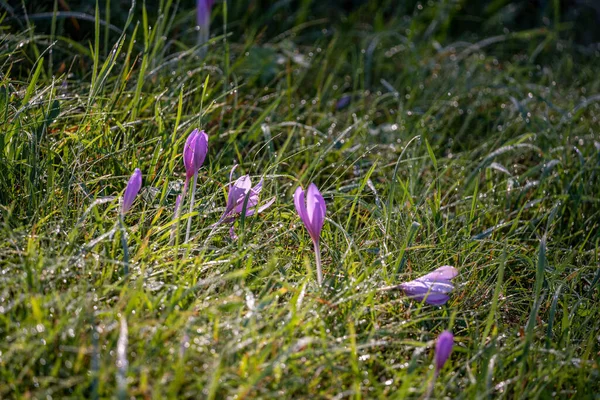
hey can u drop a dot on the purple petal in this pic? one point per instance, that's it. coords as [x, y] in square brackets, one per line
[188, 154]
[322, 204]
[252, 202]
[443, 273]
[133, 187]
[419, 287]
[443, 348]
[266, 205]
[436, 299]
[432, 287]
[253, 197]
[239, 205]
[203, 12]
[441, 287]
[256, 189]
[422, 292]
[200, 149]
[231, 173]
[237, 191]
[311, 201]
[260, 209]
[315, 209]
[243, 183]
[300, 205]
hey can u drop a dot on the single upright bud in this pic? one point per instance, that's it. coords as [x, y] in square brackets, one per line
[443, 348]
[133, 187]
[194, 152]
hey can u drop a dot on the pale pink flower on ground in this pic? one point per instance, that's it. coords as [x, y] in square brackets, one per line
[433, 288]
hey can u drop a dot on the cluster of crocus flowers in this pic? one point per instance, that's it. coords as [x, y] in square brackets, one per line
[242, 199]
[312, 213]
[433, 288]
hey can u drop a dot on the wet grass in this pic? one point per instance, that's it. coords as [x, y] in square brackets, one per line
[431, 147]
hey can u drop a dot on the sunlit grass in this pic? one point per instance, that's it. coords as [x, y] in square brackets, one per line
[481, 153]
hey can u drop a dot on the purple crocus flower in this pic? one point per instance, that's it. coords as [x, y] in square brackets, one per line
[133, 187]
[194, 152]
[236, 197]
[203, 12]
[343, 102]
[312, 214]
[433, 287]
[443, 348]
[203, 9]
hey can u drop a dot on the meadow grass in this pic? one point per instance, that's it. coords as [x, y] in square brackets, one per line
[431, 147]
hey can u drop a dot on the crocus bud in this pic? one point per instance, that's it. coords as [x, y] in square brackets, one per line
[132, 189]
[194, 152]
[443, 348]
[312, 213]
[343, 102]
[433, 287]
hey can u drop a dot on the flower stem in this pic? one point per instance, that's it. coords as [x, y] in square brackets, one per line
[431, 386]
[124, 245]
[203, 35]
[318, 260]
[177, 214]
[189, 223]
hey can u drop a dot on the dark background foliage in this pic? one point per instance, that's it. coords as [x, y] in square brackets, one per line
[471, 19]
